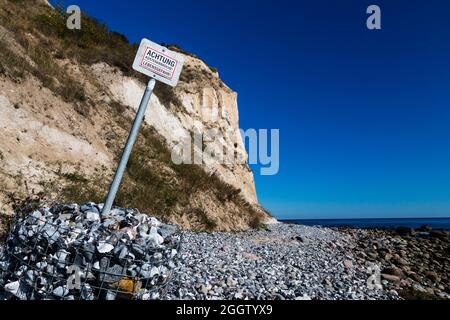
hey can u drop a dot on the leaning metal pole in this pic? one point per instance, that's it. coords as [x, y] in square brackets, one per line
[128, 147]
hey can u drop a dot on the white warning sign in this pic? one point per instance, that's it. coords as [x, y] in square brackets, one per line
[158, 62]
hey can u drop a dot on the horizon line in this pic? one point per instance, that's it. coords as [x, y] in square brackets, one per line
[290, 219]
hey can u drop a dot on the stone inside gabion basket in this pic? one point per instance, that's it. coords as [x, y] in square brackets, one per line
[72, 252]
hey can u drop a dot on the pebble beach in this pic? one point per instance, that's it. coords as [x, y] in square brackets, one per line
[283, 262]
[129, 255]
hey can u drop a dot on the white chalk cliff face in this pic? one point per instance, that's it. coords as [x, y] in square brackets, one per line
[64, 120]
[206, 103]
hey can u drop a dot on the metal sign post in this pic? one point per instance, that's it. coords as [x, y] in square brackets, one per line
[160, 64]
[129, 146]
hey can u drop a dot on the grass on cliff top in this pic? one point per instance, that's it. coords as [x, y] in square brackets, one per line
[92, 44]
[42, 32]
[38, 58]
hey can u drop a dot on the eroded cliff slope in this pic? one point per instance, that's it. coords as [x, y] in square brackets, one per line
[67, 101]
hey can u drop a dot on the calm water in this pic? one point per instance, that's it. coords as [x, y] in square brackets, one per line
[435, 223]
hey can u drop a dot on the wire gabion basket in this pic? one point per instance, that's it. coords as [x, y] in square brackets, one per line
[72, 252]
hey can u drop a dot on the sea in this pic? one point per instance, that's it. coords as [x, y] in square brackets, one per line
[435, 223]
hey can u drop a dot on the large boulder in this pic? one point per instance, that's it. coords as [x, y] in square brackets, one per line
[405, 231]
[424, 228]
[393, 271]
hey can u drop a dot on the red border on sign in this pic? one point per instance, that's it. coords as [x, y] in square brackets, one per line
[143, 66]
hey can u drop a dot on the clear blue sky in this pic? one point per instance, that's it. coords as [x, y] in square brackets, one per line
[364, 116]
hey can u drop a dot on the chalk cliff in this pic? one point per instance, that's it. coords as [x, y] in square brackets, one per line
[66, 106]
[204, 103]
